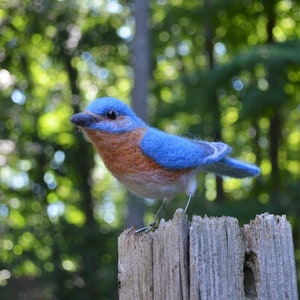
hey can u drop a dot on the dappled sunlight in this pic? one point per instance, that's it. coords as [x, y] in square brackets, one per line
[265, 167]
[53, 122]
[264, 198]
[74, 215]
[6, 79]
[227, 72]
[4, 276]
[13, 178]
[107, 208]
[55, 210]
[210, 187]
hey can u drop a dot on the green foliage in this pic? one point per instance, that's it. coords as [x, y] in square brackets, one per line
[226, 70]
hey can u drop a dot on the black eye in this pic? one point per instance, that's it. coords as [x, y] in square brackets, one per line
[111, 114]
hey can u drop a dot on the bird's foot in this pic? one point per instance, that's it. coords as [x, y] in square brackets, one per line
[150, 227]
[153, 225]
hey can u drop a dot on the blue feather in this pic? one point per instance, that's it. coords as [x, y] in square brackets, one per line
[176, 152]
[126, 119]
[233, 168]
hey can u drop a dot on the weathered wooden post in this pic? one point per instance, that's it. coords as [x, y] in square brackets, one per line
[209, 258]
[217, 255]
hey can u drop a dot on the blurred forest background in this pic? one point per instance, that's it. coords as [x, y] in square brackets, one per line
[217, 70]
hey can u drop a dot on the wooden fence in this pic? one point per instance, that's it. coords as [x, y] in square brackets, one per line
[209, 258]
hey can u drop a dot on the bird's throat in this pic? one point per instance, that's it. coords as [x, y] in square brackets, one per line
[120, 151]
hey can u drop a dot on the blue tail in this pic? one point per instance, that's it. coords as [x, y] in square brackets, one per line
[232, 168]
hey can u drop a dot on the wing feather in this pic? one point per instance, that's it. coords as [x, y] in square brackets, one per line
[174, 152]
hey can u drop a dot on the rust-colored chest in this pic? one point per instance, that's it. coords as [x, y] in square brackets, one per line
[120, 151]
[122, 155]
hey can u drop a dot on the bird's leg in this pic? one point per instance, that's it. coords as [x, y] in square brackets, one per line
[156, 215]
[152, 225]
[188, 203]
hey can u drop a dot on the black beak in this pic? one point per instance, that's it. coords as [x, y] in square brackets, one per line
[83, 119]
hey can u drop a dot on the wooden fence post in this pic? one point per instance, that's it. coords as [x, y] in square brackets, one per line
[209, 258]
[269, 260]
[217, 255]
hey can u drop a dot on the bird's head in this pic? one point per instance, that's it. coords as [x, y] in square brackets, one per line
[109, 115]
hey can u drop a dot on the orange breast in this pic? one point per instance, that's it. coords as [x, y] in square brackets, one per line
[122, 155]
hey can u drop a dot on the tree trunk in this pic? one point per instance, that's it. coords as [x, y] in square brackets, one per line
[141, 67]
[141, 59]
[209, 49]
[275, 124]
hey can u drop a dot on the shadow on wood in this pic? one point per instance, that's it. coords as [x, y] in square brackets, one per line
[209, 258]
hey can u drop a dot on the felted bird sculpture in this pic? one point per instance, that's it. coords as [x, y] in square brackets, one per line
[149, 162]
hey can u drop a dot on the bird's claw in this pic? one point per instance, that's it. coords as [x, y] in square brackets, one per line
[150, 227]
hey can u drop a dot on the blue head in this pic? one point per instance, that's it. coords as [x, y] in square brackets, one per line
[109, 115]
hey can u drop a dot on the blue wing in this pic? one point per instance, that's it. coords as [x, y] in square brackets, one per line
[174, 152]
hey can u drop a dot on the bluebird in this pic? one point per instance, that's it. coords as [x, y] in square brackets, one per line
[149, 162]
